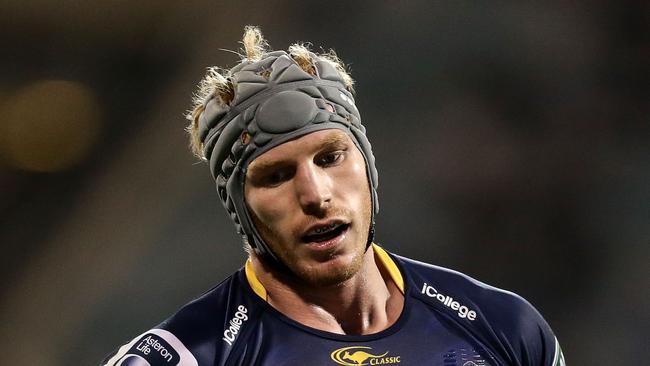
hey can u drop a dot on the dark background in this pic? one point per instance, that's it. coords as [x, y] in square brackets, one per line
[511, 141]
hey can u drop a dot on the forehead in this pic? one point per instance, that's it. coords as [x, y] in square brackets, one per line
[307, 144]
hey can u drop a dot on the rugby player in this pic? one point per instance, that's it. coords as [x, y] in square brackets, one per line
[295, 171]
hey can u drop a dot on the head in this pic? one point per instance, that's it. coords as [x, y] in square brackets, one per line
[310, 201]
[286, 110]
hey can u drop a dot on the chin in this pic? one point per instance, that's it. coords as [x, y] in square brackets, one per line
[331, 273]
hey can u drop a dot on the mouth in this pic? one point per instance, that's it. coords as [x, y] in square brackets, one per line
[327, 234]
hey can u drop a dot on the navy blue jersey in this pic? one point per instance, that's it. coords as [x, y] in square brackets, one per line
[448, 319]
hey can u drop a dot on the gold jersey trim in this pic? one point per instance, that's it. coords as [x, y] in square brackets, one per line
[256, 285]
[390, 266]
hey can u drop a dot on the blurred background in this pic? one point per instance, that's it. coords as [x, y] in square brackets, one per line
[512, 142]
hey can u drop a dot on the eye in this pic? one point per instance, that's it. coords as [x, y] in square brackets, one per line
[275, 177]
[330, 158]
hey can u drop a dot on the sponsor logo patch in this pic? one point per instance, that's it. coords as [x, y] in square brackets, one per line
[361, 355]
[235, 324]
[150, 349]
[463, 311]
[463, 357]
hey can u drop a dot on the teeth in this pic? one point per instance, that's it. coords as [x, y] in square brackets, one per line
[323, 229]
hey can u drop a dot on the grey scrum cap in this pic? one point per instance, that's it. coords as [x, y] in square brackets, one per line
[275, 101]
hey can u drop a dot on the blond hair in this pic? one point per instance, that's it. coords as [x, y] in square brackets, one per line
[218, 83]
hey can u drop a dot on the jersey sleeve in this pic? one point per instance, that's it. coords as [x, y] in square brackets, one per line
[558, 356]
[156, 347]
[522, 332]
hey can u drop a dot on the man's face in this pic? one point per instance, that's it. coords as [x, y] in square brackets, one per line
[310, 201]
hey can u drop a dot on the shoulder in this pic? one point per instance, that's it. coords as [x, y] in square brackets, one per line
[200, 333]
[501, 319]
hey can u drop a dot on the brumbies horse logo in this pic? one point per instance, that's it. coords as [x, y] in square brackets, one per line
[358, 356]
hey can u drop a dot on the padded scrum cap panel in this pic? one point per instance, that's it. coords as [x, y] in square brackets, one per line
[248, 77]
[247, 84]
[312, 91]
[285, 112]
[247, 90]
[280, 65]
[290, 104]
[327, 71]
[292, 73]
[213, 111]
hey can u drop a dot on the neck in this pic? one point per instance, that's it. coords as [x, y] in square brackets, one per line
[366, 303]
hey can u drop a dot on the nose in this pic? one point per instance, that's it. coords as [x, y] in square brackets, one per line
[313, 189]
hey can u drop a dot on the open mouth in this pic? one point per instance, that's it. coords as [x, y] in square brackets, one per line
[325, 233]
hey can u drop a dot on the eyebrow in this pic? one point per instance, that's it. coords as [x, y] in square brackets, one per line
[332, 141]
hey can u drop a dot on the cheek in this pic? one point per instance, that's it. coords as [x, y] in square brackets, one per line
[359, 169]
[355, 180]
[267, 205]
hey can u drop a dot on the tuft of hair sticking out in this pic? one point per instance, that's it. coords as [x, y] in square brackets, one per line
[217, 82]
[300, 53]
[305, 58]
[335, 61]
[254, 43]
[214, 84]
